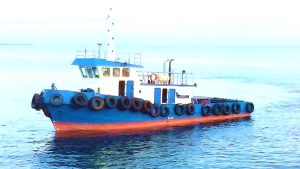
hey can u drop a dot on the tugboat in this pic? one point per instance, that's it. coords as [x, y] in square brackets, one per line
[123, 98]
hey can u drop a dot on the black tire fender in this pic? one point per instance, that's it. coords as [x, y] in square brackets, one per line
[80, 100]
[148, 107]
[236, 108]
[124, 103]
[155, 111]
[111, 102]
[190, 109]
[96, 103]
[164, 111]
[249, 107]
[206, 110]
[56, 99]
[137, 104]
[179, 109]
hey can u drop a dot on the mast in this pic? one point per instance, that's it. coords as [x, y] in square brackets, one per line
[110, 55]
[99, 52]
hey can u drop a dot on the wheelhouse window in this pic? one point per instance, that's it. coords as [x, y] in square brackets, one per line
[125, 72]
[116, 72]
[106, 71]
[83, 72]
[89, 72]
[95, 72]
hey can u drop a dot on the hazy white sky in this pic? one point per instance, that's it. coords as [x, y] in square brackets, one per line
[209, 22]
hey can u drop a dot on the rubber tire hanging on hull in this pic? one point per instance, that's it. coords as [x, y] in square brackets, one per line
[155, 111]
[179, 109]
[225, 109]
[216, 110]
[111, 102]
[96, 103]
[137, 104]
[250, 107]
[164, 111]
[37, 102]
[190, 109]
[56, 99]
[148, 107]
[206, 110]
[124, 103]
[79, 100]
[236, 108]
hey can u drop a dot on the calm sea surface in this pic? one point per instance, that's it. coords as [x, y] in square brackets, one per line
[270, 139]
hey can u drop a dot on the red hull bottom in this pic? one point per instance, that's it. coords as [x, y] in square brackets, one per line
[140, 126]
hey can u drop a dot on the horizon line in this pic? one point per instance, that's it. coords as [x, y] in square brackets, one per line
[16, 44]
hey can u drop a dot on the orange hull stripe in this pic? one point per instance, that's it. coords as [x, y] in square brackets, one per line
[125, 127]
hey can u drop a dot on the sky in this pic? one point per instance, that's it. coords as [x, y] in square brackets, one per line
[213, 22]
[201, 35]
[165, 26]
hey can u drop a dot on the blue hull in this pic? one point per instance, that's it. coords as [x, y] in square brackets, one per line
[59, 106]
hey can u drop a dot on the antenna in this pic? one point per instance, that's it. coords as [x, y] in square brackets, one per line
[99, 52]
[110, 45]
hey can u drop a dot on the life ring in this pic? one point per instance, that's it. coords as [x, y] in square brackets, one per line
[147, 106]
[179, 109]
[56, 99]
[250, 107]
[225, 109]
[155, 111]
[137, 104]
[236, 108]
[124, 103]
[96, 103]
[164, 111]
[111, 102]
[206, 110]
[79, 100]
[190, 109]
[153, 77]
[216, 110]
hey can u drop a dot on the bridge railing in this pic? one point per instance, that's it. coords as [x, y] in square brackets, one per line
[166, 78]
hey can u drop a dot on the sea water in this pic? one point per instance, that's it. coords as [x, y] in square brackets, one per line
[270, 139]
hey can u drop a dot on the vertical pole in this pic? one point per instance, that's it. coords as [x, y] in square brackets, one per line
[99, 52]
[183, 72]
[170, 64]
[164, 65]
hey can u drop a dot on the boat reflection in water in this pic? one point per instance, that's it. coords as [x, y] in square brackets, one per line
[137, 149]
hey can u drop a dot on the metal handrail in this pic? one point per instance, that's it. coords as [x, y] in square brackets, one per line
[176, 78]
[135, 59]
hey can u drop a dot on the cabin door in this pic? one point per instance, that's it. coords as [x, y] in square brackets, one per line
[121, 88]
[129, 88]
[157, 95]
[171, 96]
